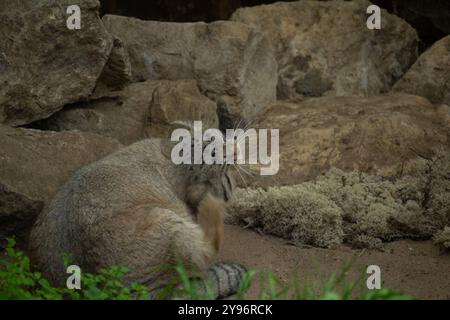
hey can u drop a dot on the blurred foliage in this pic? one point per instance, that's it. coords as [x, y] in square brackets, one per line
[19, 282]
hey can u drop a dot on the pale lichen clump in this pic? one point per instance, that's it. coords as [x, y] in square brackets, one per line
[294, 213]
[352, 207]
[442, 238]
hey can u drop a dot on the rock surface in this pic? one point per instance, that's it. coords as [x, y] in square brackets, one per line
[117, 72]
[179, 101]
[34, 164]
[233, 63]
[43, 64]
[350, 59]
[133, 114]
[430, 75]
[381, 135]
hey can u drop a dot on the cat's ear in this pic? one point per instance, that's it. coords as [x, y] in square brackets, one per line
[177, 124]
[168, 143]
[180, 124]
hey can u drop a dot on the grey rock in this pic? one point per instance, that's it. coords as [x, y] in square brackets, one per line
[233, 63]
[117, 71]
[145, 109]
[380, 135]
[44, 64]
[325, 48]
[430, 75]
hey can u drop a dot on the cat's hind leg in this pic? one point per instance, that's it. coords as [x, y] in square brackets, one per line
[150, 241]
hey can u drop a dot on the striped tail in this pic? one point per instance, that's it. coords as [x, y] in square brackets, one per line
[222, 279]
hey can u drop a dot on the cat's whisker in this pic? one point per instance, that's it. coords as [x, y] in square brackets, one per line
[239, 123]
[247, 171]
[249, 123]
[239, 172]
[235, 124]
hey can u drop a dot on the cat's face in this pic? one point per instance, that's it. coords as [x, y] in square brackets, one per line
[208, 159]
[217, 177]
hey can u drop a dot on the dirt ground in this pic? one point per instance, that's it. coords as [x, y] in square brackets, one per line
[416, 268]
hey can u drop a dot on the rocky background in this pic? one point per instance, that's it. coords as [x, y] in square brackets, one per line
[431, 19]
[364, 115]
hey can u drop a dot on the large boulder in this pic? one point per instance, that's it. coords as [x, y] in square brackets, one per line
[176, 102]
[43, 64]
[325, 48]
[145, 109]
[34, 164]
[381, 135]
[233, 63]
[430, 75]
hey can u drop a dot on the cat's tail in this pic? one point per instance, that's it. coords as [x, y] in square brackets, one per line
[222, 280]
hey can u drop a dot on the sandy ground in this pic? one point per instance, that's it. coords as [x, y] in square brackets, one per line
[417, 268]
